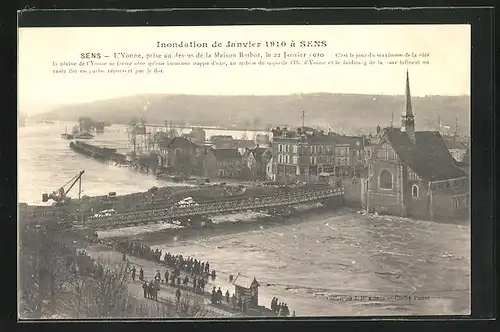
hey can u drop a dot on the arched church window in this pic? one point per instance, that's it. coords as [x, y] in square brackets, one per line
[414, 191]
[385, 179]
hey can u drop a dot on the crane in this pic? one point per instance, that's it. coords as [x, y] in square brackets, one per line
[59, 196]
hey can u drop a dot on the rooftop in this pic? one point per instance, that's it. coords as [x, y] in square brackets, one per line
[226, 153]
[428, 156]
[245, 282]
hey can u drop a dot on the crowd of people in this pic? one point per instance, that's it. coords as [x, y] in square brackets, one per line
[280, 308]
[195, 277]
[178, 263]
[236, 303]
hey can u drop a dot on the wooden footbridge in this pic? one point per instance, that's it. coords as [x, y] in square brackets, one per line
[333, 196]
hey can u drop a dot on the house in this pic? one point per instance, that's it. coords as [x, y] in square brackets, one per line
[304, 153]
[412, 174]
[178, 155]
[223, 162]
[247, 289]
[252, 158]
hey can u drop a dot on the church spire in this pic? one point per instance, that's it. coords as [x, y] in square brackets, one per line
[407, 119]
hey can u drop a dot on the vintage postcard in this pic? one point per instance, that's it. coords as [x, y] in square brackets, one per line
[244, 171]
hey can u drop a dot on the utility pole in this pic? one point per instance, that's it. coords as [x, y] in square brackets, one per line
[303, 119]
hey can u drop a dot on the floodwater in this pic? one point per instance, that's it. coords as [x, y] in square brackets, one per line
[316, 263]
[45, 163]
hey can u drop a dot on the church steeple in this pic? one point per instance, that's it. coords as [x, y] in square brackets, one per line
[407, 119]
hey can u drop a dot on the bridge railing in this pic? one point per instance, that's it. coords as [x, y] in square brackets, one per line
[221, 207]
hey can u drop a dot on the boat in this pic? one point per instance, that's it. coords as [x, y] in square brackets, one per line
[43, 120]
[83, 136]
[65, 135]
[97, 152]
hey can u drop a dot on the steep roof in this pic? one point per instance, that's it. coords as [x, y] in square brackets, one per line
[245, 282]
[176, 142]
[226, 153]
[428, 157]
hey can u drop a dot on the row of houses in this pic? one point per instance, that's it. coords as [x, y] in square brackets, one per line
[302, 154]
[181, 155]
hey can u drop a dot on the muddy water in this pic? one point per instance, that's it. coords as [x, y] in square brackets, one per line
[319, 265]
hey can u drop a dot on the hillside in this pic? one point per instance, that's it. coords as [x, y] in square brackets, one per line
[342, 112]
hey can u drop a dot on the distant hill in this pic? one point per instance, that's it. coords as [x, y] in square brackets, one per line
[349, 113]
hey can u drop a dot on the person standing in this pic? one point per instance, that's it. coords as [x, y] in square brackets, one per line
[178, 295]
[213, 298]
[150, 289]
[145, 289]
[219, 296]
[141, 274]
[166, 276]
[233, 301]
[227, 296]
[133, 273]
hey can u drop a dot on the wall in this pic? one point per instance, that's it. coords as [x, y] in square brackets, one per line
[385, 200]
[418, 208]
[442, 206]
[352, 193]
[209, 165]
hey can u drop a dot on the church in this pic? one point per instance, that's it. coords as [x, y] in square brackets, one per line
[412, 174]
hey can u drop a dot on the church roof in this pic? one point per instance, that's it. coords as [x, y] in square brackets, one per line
[428, 157]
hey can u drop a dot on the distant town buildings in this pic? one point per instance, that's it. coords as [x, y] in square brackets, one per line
[413, 174]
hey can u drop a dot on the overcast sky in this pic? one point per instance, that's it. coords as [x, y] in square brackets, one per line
[448, 73]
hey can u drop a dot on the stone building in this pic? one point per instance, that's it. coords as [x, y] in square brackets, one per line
[304, 153]
[179, 155]
[222, 163]
[412, 174]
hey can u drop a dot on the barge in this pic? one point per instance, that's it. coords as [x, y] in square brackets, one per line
[83, 136]
[97, 152]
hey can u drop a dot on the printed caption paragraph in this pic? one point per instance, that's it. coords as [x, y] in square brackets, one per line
[157, 63]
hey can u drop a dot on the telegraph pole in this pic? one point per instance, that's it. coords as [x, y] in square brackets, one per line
[303, 119]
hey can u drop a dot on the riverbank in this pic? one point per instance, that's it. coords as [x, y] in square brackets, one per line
[167, 292]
